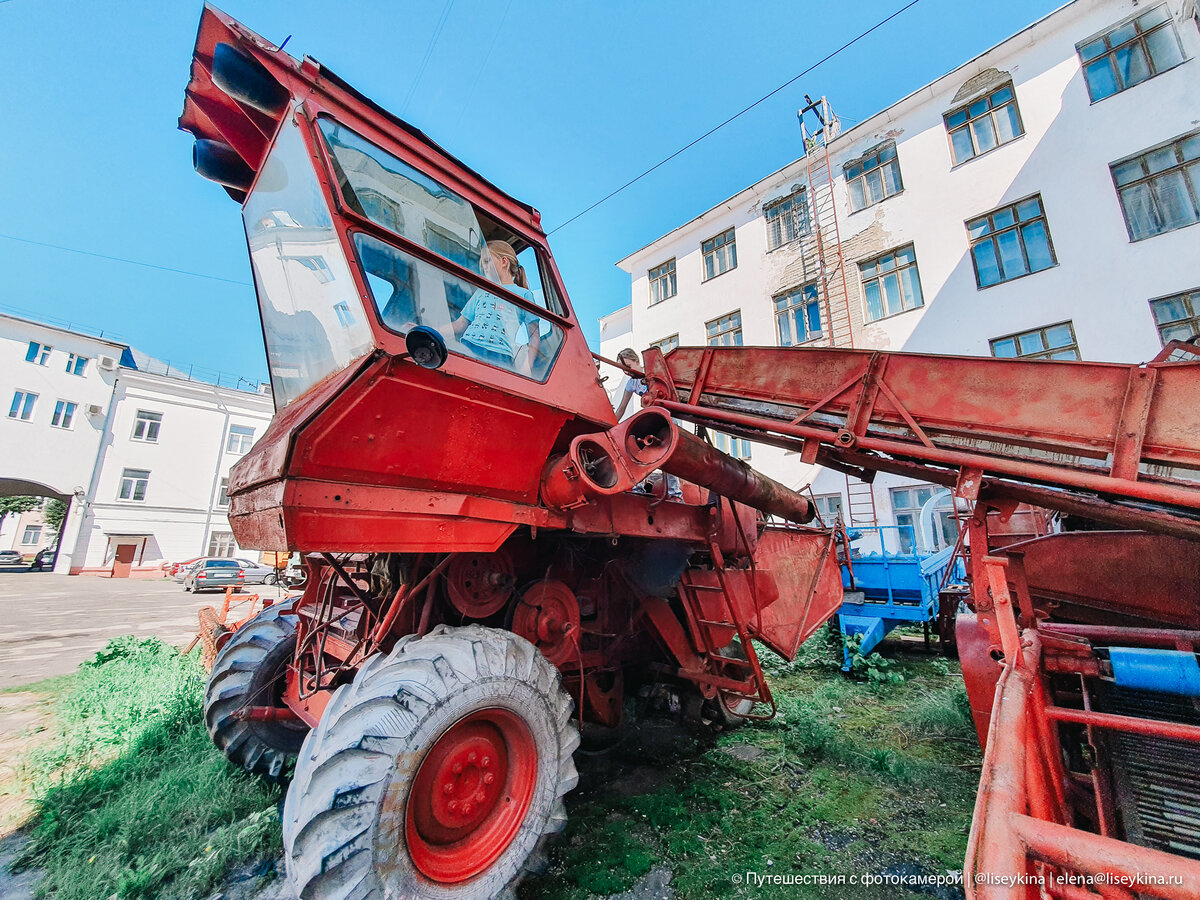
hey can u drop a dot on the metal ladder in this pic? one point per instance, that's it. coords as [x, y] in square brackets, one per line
[860, 500]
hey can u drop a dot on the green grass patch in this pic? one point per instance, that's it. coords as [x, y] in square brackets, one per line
[849, 777]
[132, 800]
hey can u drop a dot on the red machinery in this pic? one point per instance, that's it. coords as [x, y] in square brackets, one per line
[483, 554]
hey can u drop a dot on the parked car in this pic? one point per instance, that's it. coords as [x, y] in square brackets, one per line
[10, 558]
[214, 574]
[43, 559]
[179, 569]
[257, 573]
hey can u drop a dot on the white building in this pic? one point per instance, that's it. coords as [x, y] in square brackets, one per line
[142, 458]
[1036, 201]
[160, 488]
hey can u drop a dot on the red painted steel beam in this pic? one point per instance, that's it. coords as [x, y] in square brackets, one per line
[1178, 731]
[1087, 853]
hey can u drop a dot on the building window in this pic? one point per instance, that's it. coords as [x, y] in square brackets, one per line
[1160, 189]
[720, 254]
[984, 125]
[1010, 242]
[667, 344]
[787, 219]
[798, 316]
[32, 535]
[906, 506]
[735, 447]
[344, 316]
[22, 405]
[829, 507]
[133, 484]
[1052, 342]
[241, 438]
[1130, 53]
[220, 543]
[874, 177]
[223, 496]
[146, 426]
[725, 331]
[38, 353]
[662, 282]
[76, 365]
[1177, 317]
[64, 414]
[891, 283]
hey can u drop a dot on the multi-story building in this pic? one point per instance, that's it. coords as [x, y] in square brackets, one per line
[142, 458]
[1036, 201]
[160, 487]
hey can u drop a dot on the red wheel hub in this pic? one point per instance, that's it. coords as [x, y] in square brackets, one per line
[471, 795]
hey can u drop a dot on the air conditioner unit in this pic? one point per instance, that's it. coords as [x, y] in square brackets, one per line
[94, 409]
[107, 363]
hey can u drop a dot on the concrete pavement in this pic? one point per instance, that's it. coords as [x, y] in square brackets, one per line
[52, 623]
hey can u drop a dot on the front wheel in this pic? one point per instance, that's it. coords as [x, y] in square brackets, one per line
[437, 773]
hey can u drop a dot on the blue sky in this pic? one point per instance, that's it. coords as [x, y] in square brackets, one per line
[556, 102]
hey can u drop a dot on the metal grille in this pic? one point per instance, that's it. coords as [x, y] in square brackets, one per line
[1154, 779]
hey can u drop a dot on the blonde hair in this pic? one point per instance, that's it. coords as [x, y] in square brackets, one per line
[504, 249]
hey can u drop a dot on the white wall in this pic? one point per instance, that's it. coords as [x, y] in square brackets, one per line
[1102, 282]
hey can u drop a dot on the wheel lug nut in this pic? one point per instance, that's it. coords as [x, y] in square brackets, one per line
[472, 756]
[488, 778]
[458, 767]
[486, 762]
[466, 808]
[479, 796]
[448, 787]
[453, 806]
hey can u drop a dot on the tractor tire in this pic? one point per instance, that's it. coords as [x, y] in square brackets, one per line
[728, 717]
[249, 671]
[439, 773]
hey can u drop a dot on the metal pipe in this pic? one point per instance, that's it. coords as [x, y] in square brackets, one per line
[1087, 853]
[1175, 730]
[1150, 637]
[1038, 472]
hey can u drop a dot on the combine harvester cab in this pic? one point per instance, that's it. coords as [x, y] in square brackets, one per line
[484, 566]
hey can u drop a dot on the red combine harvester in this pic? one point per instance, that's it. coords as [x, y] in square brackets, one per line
[485, 564]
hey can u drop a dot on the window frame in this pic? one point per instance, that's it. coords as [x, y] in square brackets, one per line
[727, 250]
[1016, 226]
[24, 409]
[666, 275]
[77, 365]
[798, 215]
[132, 478]
[880, 275]
[39, 357]
[733, 329]
[875, 152]
[242, 432]
[1139, 37]
[1191, 301]
[36, 528]
[729, 444]
[818, 498]
[223, 494]
[672, 339]
[222, 539]
[149, 422]
[804, 303]
[61, 412]
[990, 112]
[939, 518]
[1048, 352]
[1182, 166]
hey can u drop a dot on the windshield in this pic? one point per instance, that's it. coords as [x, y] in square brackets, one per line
[312, 316]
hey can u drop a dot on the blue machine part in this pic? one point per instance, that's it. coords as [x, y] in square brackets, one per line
[897, 588]
[1164, 671]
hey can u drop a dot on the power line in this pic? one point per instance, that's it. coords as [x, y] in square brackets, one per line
[132, 262]
[483, 65]
[437, 33]
[716, 128]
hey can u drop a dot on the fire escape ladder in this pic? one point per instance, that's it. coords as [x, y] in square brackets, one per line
[817, 124]
[860, 499]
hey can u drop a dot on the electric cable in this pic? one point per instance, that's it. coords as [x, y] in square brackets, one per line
[742, 112]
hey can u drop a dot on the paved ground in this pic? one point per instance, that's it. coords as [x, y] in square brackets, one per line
[52, 623]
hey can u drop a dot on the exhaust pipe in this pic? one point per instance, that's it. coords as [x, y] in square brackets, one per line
[613, 462]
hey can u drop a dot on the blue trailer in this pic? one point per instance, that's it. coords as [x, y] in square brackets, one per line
[891, 589]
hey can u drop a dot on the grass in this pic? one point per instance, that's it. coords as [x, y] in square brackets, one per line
[132, 800]
[849, 777]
